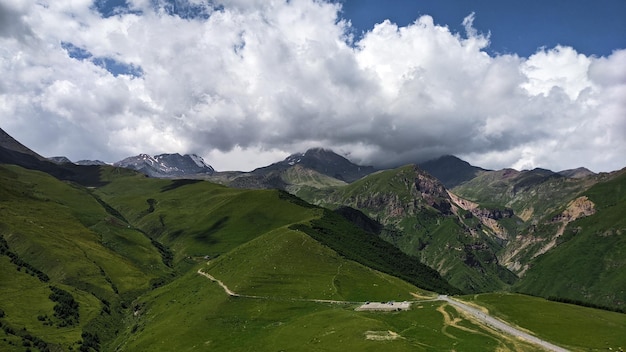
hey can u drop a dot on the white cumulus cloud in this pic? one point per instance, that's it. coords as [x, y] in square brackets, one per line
[243, 82]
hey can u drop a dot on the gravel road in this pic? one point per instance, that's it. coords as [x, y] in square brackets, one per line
[500, 325]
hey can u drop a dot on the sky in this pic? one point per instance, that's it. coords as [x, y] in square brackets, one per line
[245, 83]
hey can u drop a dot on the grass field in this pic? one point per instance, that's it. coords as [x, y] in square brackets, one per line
[289, 264]
[579, 328]
[200, 218]
[195, 313]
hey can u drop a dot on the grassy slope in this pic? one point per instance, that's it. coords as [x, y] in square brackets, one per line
[23, 298]
[63, 232]
[300, 176]
[370, 250]
[289, 264]
[579, 328]
[195, 313]
[589, 264]
[197, 219]
[200, 218]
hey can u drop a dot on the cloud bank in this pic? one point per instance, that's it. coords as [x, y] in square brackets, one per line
[245, 83]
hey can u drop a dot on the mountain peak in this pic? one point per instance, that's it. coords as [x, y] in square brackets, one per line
[576, 173]
[167, 165]
[324, 161]
[451, 170]
[60, 160]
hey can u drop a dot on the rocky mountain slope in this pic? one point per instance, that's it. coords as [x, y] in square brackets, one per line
[421, 218]
[9, 143]
[580, 257]
[535, 197]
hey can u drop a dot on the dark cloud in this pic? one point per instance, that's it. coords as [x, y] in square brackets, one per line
[12, 24]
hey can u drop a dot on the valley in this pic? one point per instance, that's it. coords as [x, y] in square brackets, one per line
[103, 258]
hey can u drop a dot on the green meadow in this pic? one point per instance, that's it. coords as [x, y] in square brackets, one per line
[578, 328]
[194, 313]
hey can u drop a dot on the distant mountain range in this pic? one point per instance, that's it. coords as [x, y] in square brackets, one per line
[324, 163]
[161, 166]
[503, 203]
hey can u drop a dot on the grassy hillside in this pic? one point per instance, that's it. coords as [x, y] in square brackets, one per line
[370, 250]
[578, 328]
[198, 218]
[588, 265]
[54, 235]
[289, 264]
[195, 313]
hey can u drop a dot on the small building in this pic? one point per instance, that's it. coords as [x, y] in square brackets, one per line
[390, 306]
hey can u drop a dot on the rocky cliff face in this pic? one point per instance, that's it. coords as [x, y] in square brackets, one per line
[530, 243]
[487, 217]
[395, 194]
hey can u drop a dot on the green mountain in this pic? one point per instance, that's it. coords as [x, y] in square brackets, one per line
[550, 242]
[450, 170]
[421, 219]
[587, 262]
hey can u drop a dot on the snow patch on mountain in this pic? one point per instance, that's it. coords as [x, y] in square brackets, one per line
[198, 160]
[167, 165]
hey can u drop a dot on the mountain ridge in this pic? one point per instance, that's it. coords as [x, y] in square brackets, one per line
[10, 143]
[167, 165]
[324, 161]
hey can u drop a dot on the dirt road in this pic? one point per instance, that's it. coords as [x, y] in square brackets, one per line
[493, 322]
[502, 326]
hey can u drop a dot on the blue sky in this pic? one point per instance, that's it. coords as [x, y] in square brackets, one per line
[244, 83]
[591, 27]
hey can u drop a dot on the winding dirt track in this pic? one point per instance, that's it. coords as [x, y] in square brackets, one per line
[500, 325]
[235, 294]
[487, 319]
